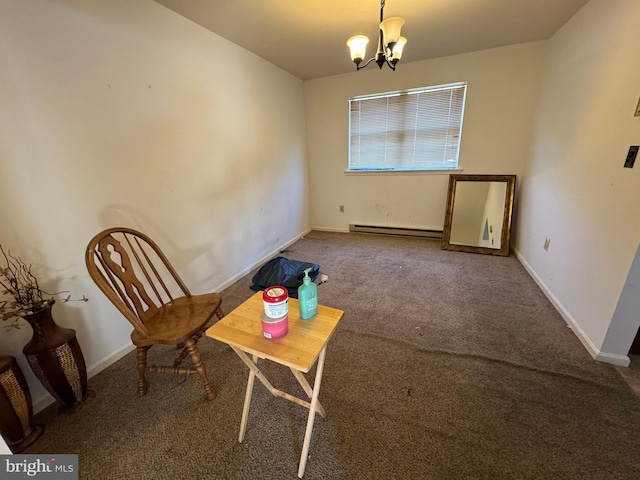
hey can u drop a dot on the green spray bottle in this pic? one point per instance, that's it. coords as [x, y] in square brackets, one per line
[307, 297]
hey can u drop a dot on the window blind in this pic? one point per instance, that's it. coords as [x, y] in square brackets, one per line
[416, 129]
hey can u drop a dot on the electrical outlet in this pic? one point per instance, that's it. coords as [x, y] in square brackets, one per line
[341, 208]
[547, 241]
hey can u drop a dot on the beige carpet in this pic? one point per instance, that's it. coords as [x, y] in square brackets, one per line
[446, 365]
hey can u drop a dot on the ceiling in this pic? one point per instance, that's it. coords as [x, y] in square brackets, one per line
[308, 37]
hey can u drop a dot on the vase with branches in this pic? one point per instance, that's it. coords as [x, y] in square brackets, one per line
[53, 353]
[21, 285]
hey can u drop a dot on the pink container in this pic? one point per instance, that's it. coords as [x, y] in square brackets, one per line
[274, 327]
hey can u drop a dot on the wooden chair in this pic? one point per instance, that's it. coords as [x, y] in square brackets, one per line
[129, 267]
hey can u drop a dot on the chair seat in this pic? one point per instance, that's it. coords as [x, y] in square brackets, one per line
[178, 320]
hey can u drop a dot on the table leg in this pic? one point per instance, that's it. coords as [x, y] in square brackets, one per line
[247, 401]
[312, 413]
[307, 388]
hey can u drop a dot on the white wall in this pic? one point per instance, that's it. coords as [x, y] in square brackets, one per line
[575, 190]
[124, 113]
[502, 94]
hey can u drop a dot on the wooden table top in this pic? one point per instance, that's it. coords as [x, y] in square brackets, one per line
[298, 349]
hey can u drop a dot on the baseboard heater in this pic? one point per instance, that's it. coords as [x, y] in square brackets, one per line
[406, 232]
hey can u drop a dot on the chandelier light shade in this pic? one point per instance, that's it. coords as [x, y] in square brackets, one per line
[398, 48]
[390, 43]
[358, 47]
[391, 29]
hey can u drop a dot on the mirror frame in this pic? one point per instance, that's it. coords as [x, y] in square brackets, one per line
[504, 249]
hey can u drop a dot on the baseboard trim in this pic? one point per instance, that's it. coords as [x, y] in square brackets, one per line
[571, 323]
[110, 360]
[259, 262]
[612, 358]
[42, 402]
[331, 229]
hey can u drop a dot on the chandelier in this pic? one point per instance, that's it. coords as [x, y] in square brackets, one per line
[390, 43]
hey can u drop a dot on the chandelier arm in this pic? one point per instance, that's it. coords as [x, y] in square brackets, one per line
[358, 67]
[379, 63]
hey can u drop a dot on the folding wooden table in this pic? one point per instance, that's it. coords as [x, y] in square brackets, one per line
[305, 343]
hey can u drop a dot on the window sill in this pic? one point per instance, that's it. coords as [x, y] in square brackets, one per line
[403, 172]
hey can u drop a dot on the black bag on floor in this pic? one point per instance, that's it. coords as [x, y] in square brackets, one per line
[284, 272]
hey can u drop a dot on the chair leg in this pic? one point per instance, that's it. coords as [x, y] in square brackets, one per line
[194, 354]
[196, 337]
[183, 353]
[181, 357]
[141, 354]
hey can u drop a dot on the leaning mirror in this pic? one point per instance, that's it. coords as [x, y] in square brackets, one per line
[478, 214]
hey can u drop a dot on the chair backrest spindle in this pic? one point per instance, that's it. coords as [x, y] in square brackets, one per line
[155, 272]
[142, 268]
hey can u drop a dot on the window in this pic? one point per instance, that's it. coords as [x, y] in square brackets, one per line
[410, 130]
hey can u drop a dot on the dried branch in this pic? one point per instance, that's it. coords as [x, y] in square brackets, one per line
[19, 283]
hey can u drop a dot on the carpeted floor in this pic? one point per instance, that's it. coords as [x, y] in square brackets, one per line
[446, 365]
[631, 374]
